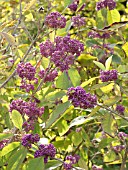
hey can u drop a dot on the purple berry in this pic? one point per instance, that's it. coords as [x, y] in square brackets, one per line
[120, 109]
[110, 75]
[29, 139]
[55, 20]
[110, 4]
[78, 21]
[79, 98]
[46, 151]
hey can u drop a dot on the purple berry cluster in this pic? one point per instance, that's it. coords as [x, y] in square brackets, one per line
[27, 72]
[55, 20]
[70, 160]
[29, 139]
[73, 6]
[120, 109]
[48, 76]
[46, 151]
[29, 108]
[95, 167]
[29, 124]
[110, 75]
[94, 34]
[62, 51]
[78, 21]
[118, 148]
[80, 98]
[122, 136]
[110, 4]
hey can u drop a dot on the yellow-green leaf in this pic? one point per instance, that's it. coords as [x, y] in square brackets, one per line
[30, 4]
[113, 16]
[9, 38]
[125, 48]
[108, 63]
[17, 119]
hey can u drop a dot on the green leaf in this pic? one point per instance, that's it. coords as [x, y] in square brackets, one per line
[80, 120]
[113, 16]
[16, 160]
[88, 81]
[125, 48]
[60, 109]
[97, 86]
[99, 20]
[17, 119]
[5, 136]
[45, 62]
[30, 4]
[74, 77]
[52, 164]
[10, 147]
[9, 38]
[55, 95]
[67, 2]
[100, 65]
[110, 156]
[76, 139]
[108, 88]
[63, 81]
[108, 63]
[111, 101]
[36, 163]
[62, 127]
[109, 124]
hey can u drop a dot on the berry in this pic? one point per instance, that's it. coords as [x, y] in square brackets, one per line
[28, 108]
[110, 75]
[74, 5]
[78, 21]
[110, 4]
[48, 76]
[29, 139]
[120, 109]
[55, 20]
[80, 98]
[26, 70]
[46, 151]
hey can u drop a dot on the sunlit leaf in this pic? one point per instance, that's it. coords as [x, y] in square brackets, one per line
[17, 119]
[108, 63]
[112, 100]
[80, 120]
[74, 77]
[113, 16]
[109, 156]
[10, 147]
[9, 38]
[100, 65]
[30, 4]
[125, 48]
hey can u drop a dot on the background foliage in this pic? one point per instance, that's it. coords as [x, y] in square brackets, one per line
[90, 133]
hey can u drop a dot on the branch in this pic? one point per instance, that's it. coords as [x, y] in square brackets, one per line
[113, 112]
[124, 158]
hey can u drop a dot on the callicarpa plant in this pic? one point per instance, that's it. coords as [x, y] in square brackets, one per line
[63, 84]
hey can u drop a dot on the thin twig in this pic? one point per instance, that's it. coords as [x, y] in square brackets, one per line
[113, 112]
[124, 158]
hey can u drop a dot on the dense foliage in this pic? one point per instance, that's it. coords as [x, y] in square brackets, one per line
[63, 84]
